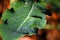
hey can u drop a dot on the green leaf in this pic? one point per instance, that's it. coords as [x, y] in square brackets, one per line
[21, 22]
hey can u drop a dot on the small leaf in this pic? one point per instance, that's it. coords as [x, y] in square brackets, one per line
[22, 22]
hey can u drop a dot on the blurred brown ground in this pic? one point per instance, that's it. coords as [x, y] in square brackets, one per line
[44, 34]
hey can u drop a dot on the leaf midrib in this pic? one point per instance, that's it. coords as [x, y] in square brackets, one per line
[25, 19]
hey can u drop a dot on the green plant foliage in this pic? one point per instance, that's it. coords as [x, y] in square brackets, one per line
[26, 19]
